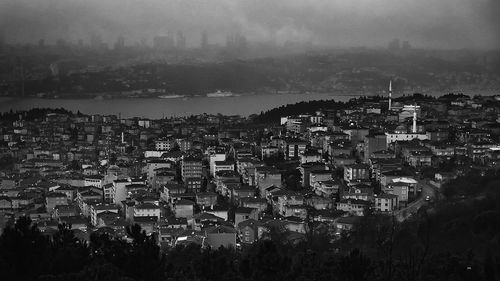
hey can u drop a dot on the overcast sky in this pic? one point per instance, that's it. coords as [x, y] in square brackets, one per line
[425, 23]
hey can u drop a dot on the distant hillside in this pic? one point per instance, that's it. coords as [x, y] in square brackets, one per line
[359, 72]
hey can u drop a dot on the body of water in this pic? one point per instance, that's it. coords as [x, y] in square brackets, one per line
[157, 108]
[179, 106]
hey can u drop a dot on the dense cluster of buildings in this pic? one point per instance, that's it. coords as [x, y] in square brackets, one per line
[224, 181]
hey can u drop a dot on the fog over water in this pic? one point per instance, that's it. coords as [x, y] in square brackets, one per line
[339, 23]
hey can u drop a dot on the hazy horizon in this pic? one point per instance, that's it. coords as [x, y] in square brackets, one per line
[334, 23]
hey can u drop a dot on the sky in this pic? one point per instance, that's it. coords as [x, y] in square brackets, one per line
[337, 23]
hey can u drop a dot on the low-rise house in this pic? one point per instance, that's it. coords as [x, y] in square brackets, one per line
[170, 190]
[404, 188]
[206, 199]
[168, 236]
[252, 202]
[286, 198]
[173, 222]
[353, 206]
[310, 156]
[319, 202]
[107, 218]
[70, 191]
[327, 189]
[419, 159]
[53, 199]
[75, 222]
[299, 211]
[147, 210]
[220, 236]
[86, 206]
[6, 203]
[346, 224]
[85, 194]
[184, 208]
[395, 175]
[243, 213]
[61, 211]
[221, 212]
[266, 177]
[307, 168]
[242, 191]
[148, 224]
[289, 224]
[319, 175]
[359, 192]
[101, 208]
[251, 230]
[296, 224]
[204, 219]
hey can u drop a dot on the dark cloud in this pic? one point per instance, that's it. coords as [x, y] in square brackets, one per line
[436, 23]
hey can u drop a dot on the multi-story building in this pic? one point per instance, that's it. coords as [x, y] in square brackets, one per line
[217, 155]
[191, 167]
[100, 208]
[54, 199]
[222, 166]
[147, 210]
[327, 188]
[266, 177]
[294, 148]
[164, 144]
[356, 172]
[373, 143]
[96, 181]
[386, 202]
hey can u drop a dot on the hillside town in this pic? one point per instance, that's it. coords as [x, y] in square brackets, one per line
[229, 181]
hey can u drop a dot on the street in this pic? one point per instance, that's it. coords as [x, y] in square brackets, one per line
[413, 207]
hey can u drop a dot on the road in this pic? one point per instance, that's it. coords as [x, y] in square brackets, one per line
[412, 208]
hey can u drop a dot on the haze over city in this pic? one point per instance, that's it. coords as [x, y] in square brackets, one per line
[342, 23]
[262, 140]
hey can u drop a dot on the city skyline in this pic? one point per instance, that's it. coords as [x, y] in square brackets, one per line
[431, 23]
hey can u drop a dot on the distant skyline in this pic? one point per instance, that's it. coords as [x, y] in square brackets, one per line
[335, 23]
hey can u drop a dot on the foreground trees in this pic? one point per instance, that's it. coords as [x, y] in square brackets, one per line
[459, 239]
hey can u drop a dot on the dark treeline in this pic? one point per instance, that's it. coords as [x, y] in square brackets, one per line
[273, 115]
[304, 107]
[457, 239]
[33, 114]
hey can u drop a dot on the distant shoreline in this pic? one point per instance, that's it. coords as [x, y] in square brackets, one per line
[109, 96]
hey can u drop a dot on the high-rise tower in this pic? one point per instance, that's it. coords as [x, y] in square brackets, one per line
[204, 39]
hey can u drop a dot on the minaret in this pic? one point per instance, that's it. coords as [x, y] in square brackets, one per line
[414, 128]
[390, 95]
